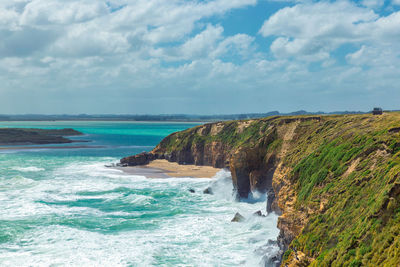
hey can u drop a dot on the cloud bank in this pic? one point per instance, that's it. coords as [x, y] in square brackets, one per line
[153, 56]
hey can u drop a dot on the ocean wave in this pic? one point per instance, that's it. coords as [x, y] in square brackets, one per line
[28, 169]
[84, 214]
[16, 182]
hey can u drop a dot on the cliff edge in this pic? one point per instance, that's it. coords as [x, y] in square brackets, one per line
[335, 180]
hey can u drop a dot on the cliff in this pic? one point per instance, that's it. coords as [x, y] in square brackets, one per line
[16, 136]
[335, 180]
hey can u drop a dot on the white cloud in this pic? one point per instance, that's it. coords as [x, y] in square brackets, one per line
[356, 57]
[240, 45]
[209, 43]
[45, 12]
[314, 30]
[8, 18]
[84, 40]
[175, 56]
[87, 27]
[203, 43]
[305, 49]
[373, 3]
[336, 19]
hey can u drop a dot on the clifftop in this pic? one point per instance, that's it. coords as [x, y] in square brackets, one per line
[334, 180]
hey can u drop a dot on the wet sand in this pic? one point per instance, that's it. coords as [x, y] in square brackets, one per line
[163, 169]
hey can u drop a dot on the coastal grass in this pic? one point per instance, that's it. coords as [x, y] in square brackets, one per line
[355, 176]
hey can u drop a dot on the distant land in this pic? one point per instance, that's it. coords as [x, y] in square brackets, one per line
[19, 136]
[163, 117]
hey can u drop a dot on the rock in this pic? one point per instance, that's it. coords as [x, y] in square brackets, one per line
[139, 159]
[258, 213]
[272, 256]
[274, 260]
[191, 190]
[208, 190]
[270, 200]
[272, 242]
[238, 217]
[394, 130]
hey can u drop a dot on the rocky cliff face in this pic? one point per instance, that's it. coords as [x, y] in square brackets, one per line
[333, 179]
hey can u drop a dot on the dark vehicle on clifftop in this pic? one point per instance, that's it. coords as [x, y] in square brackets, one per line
[377, 111]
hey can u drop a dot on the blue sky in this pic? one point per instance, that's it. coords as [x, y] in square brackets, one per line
[204, 57]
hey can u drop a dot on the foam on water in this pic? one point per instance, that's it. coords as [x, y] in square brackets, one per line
[28, 169]
[65, 208]
[90, 215]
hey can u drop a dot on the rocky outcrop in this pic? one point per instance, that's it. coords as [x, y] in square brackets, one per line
[143, 158]
[319, 172]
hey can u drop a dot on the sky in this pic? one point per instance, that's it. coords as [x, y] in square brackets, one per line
[198, 57]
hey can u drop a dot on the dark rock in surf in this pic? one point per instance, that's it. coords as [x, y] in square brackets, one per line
[238, 218]
[270, 200]
[208, 190]
[258, 213]
[191, 190]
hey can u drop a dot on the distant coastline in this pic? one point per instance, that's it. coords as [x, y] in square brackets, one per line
[164, 117]
[28, 136]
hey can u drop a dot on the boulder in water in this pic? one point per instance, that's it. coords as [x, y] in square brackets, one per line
[238, 218]
[270, 200]
[208, 190]
[258, 213]
[191, 190]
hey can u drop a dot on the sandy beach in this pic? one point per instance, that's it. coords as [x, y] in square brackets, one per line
[163, 169]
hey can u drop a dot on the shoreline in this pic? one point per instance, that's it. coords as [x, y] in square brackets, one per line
[162, 168]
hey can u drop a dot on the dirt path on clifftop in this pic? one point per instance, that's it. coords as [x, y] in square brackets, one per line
[291, 221]
[287, 137]
[280, 180]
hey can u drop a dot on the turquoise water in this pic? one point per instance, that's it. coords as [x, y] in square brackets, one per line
[63, 207]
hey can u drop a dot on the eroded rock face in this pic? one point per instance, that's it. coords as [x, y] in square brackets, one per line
[139, 159]
[252, 168]
[253, 163]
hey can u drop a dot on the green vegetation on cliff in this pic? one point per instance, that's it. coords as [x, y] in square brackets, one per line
[336, 180]
[352, 181]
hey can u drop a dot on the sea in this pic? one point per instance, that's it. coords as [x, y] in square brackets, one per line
[64, 207]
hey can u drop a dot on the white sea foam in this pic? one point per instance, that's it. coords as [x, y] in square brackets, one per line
[202, 235]
[28, 169]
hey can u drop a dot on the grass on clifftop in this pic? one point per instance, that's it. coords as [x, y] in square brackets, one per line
[351, 183]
